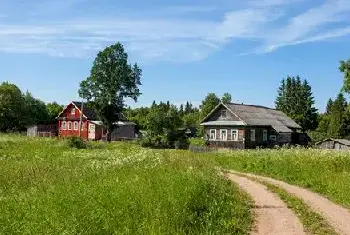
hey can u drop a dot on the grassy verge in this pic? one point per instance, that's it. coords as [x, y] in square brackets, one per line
[313, 222]
[48, 188]
[323, 171]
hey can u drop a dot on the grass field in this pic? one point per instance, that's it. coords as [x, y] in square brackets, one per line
[323, 171]
[48, 188]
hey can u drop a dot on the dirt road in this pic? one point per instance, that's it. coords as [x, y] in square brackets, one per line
[272, 215]
[337, 216]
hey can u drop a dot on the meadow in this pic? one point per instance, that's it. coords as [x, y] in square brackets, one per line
[46, 187]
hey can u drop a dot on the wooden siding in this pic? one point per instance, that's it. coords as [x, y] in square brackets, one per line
[259, 142]
[67, 116]
[124, 132]
[240, 129]
[216, 116]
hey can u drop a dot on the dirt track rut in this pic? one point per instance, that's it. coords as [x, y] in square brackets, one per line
[337, 216]
[272, 215]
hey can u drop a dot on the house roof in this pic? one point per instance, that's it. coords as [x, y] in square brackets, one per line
[223, 123]
[255, 115]
[87, 112]
[341, 141]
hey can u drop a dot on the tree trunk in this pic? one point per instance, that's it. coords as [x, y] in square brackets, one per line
[109, 133]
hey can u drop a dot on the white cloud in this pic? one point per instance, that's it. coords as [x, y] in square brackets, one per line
[178, 34]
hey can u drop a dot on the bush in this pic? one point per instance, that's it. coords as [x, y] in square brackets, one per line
[76, 142]
[198, 141]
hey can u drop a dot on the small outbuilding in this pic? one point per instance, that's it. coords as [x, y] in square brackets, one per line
[340, 144]
[42, 130]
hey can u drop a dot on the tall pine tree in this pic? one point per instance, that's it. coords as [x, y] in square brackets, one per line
[337, 122]
[294, 98]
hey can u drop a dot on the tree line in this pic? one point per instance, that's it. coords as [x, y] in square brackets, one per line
[20, 109]
[112, 79]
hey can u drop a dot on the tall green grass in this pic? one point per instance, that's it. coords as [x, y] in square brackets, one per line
[48, 188]
[324, 171]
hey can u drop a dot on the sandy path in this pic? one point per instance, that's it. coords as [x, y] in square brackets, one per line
[337, 216]
[272, 215]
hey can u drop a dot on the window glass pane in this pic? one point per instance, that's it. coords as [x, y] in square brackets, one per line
[252, 135]
[223, 134]
[264, 135]
[234, 134]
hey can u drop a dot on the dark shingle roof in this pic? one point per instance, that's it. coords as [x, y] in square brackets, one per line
[256, 115]
[87, 111]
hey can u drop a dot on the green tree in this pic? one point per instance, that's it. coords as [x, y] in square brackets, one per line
[208, 104]
[227, 98]
[337, 122]
[12, 108]
[329, 106]
[188, 107]
[54, 109]
[35, 111]
[111, 81]
[294, 98]
[345, 68]
[162, 125]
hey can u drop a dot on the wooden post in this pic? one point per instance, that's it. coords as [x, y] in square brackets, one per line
[81, 118]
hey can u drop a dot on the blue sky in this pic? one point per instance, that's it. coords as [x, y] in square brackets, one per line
[185, 48]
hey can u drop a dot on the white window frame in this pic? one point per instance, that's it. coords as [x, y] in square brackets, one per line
[76, 126]
[265, 135]
[252, 135]
[72, 111]
[273, 137]
[236, 133]
[69, 125]
[214, 132]
[64, 125]
[221, 132]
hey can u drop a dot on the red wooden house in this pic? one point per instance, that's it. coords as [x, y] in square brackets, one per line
[69, 120]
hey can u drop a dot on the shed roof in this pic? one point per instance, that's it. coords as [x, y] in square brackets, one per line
[341, 141]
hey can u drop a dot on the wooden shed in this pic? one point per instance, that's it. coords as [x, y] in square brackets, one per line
[340, 144]
[42, 130]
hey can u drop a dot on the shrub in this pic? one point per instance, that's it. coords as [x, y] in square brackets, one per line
[198, 141]
[76, 142]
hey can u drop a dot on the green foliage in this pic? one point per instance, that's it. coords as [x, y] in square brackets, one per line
[34, 111]
[111, 81]
[12, 108]
[76, 142]
[345, 68]
[227, 98]
[54, 110]
[208, 104]
[337, 127]
[198, 141]
[162, 125]
[48, 188]
[295, 99]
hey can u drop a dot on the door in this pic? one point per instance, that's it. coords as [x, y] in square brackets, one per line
[92, 131]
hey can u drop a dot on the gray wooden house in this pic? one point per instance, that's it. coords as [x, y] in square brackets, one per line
[340, 144]
[249, 126]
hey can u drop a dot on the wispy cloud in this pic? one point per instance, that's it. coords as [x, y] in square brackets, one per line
[176, 33]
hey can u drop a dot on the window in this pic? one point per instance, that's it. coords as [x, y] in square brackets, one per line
[223, 113]
[264, 135]
[63, 125]
[252, 135]
[212, 134]
[273, 137]
[72, 111]
[223, 134]
[69, 125]
[234, 135]
[76, 126]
